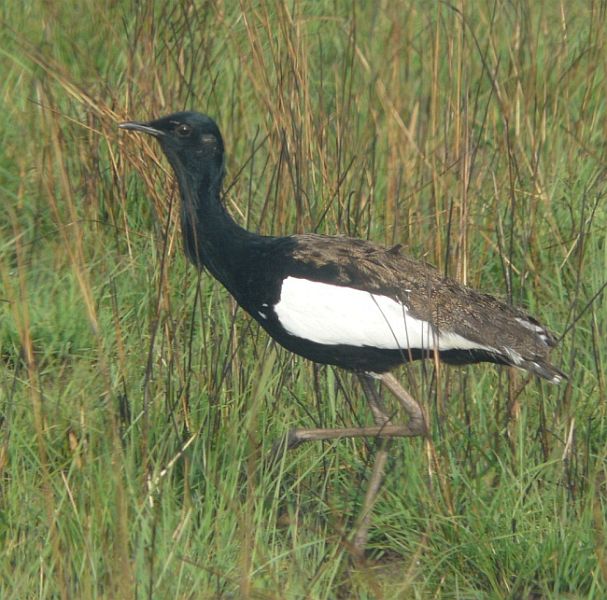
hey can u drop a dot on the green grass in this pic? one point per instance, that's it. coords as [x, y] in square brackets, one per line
[137, 405]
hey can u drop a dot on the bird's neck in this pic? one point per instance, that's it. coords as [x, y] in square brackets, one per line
[212, 239]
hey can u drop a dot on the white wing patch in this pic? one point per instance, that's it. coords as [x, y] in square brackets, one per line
[536, 329]
[332, 314]
[529, 325]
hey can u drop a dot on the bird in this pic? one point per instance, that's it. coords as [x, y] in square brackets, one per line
[341, 301]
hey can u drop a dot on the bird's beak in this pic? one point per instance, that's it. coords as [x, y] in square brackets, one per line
[143, 127]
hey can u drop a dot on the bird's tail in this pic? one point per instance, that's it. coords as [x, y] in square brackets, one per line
[542, 368]
[532, 355]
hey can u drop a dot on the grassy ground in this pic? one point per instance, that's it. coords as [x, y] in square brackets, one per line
[137, 404]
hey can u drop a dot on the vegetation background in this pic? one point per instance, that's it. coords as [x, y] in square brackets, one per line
[137, 404]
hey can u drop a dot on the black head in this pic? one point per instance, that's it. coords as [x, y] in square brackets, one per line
[191, 141]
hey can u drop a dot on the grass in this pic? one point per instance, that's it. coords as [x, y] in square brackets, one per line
[137, 404]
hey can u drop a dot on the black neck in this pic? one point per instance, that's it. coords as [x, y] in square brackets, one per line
[212, 239]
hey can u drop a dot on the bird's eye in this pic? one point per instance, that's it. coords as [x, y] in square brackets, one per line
[183, 130]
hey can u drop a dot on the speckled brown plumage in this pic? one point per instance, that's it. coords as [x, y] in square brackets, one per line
[430, 296]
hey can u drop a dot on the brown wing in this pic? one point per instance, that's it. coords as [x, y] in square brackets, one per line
[428, 295]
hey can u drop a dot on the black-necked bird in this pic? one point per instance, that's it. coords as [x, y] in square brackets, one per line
[341, 301]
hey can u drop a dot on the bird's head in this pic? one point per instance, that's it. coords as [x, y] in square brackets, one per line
[191, 141]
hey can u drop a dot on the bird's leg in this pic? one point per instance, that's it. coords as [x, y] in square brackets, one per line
[295, 437]
[375, 403]
[384, 430]
[415, 427]
[417, 424]
[379, 464]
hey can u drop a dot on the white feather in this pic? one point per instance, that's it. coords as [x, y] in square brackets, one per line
[535, 328]
[529, 325]
[332, 314]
